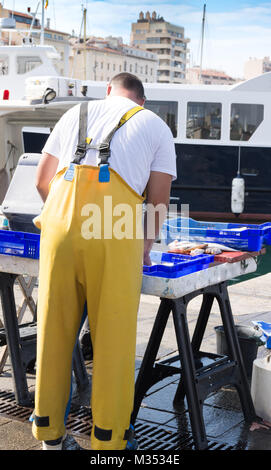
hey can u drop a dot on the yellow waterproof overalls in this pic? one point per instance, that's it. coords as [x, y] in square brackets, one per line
[104, 270]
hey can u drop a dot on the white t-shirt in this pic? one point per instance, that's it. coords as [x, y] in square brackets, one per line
[143, 144]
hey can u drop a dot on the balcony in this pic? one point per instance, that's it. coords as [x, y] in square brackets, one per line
[170, 68]
[150, 46]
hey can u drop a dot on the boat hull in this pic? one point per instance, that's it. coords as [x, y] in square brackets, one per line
[205, 174]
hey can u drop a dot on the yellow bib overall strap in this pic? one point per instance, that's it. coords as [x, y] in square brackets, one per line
[84, 143]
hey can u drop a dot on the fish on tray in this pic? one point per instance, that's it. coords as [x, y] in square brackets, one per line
[195, 249]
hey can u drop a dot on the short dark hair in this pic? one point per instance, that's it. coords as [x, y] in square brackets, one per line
[129, 82]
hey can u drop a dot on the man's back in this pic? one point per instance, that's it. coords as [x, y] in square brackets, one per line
[143, 144]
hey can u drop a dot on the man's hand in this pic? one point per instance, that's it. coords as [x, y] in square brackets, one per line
[46, 170]
[158, 193]
[147, 249]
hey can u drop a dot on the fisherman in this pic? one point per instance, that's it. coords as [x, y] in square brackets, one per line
[101, 161]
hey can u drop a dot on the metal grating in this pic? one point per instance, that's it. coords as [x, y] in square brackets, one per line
[150, 436]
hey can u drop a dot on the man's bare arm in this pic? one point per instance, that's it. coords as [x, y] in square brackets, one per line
[158, 193]
[46, 170]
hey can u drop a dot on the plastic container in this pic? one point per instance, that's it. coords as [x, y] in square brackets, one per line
[171, 265]
[265, 328]
[237, 236]
[22, 201]
[21, 244]
[4, 225]
[261, 386]
[249, 340]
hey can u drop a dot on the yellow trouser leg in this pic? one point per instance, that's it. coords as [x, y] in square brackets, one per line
[113, 330]
[60, 307]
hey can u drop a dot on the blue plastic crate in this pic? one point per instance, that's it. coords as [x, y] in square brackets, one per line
[26, 245]
[266, 330]
[238, 236]
[178, 265]
[264, 228]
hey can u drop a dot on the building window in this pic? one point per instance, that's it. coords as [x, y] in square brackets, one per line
[131, 68]
[102, 65]
[167, 110]
[3, 65]
[114, 67]
[245, 119]
[120, 68]
[22, 19]
[26, 64]
[108, 66]
[203, 120]
[125, 66]
[153, 40]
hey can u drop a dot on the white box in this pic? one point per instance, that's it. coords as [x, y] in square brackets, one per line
[63, 86]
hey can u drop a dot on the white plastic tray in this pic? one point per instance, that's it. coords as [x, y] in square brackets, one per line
[175, 288]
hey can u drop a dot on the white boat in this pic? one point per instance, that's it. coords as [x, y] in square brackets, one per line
[20, 62]
[219, 132]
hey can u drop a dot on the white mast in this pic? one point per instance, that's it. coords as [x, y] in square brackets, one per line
[42, 23]
[85, 40]
[34, 17]
[202, 39]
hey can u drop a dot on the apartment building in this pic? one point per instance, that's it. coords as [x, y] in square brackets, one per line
[208, 77]
[254, 67]
[22, 21]
[102, 58]
[154, 34]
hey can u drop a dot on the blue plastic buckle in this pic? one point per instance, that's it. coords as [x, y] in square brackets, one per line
[69, 173]
[104, 173]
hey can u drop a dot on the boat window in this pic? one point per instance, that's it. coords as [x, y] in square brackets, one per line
[245, 118]
[34, 138]
[3, 64]
[26, 64]
[167, 110]
[203, 120]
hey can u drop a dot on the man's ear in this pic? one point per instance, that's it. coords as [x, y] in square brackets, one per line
[108, 89]
[143, 102]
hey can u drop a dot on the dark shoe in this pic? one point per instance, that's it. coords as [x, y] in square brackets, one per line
[132, 443]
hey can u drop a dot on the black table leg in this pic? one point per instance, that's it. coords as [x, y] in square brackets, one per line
[189, 373]
[197, 337]
[145, 377]
[235, 354]
[206, 307]
[13, 339]
[79, 367]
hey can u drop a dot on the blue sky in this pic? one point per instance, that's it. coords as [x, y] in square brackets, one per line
[235, 30]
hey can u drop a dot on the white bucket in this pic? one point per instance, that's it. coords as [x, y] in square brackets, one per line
[261, 386]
